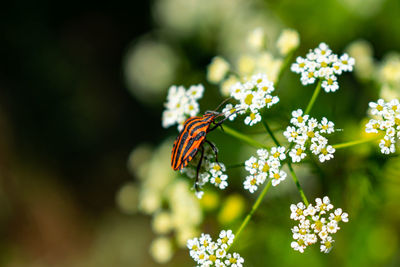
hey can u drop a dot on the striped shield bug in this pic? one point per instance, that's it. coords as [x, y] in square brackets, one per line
[192, 137]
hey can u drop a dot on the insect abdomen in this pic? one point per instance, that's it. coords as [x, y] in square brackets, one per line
[189, 140]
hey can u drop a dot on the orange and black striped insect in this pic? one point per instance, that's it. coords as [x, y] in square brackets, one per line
[191, 139]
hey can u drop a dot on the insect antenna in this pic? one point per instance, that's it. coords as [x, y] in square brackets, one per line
[223, 102]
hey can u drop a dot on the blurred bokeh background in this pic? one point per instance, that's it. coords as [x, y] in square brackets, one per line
[84, 161]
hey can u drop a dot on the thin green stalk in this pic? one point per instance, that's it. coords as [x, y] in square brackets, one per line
[264, 122]
[296, 181]
[243, 137]
[314, 97]
[356, 142]
[235, 166]
[250, 214]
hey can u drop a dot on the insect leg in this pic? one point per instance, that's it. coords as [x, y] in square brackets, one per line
[215, 149]
[218, 124]
[196, 182]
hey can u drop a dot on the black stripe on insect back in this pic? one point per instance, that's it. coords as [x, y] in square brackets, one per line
[198, 127]
[189, 146]
[182, 137]
[179, 148]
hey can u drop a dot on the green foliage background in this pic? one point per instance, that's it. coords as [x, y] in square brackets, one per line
[68, 124]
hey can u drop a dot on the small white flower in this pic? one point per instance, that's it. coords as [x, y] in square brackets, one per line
[226, 237]
[220, 181]
[332, 227]
[297, 153]
[338, 215]
[277, 177]
[278, 152]
[252, 119]
[326, 153]
[326, 245]
[297, 211]
[250, 183]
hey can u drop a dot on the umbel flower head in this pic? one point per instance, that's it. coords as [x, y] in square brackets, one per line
[207, 252]
[253, 95]
[322, 63]
[181, 104]
[316, 222]
[266, 165]
[307, 133]
[210, 171]
[386, 119]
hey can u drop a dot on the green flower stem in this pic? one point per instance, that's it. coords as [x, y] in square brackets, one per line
[265, 124]
[250, 214]
[357, 142]
[243, 137]
[314, 97]
[235, 166]
[296, 181]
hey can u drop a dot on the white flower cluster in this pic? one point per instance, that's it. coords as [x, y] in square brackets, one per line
[209, 253]
[321, 63]
[181, 104]
[306, 133]
[314, 223]
[210, 171]
[252, 95]
[387, 119]
[267, 165]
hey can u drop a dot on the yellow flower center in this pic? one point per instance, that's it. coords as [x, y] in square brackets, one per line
[330, 81]
[300, 119]
[255, 165]
[387, 142]
[311, 134]
[232, 260]
[259, 80]
[268, 100]
[324, 64]
[325, 127]
[265, 167]
[336, 67]
[224, 239]
[276, 154]
[265, 88]
[253, 181]
[212, 258]
[277, 176]
[328, 244]
[299, 151]
[318, 225]
[379, 107]
[324, 151]
[338, 218]
[345, 62]
[302, 231]
[218, 180]
[299, 212]
[396, 120]
[195, 247]
[249, 99]
[310, 74]
[323, 52]
[201, 256]
[302, 65]
[217, 167]
[252, 116]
